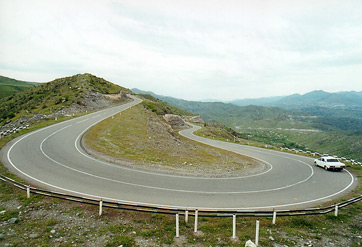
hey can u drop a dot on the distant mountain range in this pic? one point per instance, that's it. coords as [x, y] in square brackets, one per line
[340, 100]
[326, 122]
[320, 103]
[316, 110]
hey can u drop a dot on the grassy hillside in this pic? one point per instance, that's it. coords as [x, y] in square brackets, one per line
[10, 86]
[47, 98]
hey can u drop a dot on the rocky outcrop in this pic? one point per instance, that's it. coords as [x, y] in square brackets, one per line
[194, 119]
[174, 120]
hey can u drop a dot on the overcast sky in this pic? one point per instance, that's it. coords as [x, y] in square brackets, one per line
[195, 50]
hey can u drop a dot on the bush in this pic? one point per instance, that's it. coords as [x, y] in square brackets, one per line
[11, 115]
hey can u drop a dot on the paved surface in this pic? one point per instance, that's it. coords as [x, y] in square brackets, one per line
[52, 158]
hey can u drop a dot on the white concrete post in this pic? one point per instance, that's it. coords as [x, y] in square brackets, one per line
[274, 216]
[100, 207]
[186, 216]
[28, 192]
[257, 233]
[234, 226]
[177, 226]
[196, 216]
[336, 210]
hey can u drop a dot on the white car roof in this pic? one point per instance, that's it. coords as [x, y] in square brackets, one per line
[328, 157]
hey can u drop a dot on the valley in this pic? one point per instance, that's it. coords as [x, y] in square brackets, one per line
[333, 131]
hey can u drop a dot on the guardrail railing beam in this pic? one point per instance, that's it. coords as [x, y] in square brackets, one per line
[173, 210]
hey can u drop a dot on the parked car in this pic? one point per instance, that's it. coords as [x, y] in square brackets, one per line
[329, 163]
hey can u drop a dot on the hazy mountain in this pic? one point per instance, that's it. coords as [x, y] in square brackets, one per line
[339, 100]
[317, 98]
[266, 101]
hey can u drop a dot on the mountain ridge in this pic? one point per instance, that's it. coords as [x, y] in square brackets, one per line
[313, 98]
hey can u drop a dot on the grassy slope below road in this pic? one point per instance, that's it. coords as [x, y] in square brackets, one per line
[140, 135]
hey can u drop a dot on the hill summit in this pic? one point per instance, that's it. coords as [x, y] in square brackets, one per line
[61, 97]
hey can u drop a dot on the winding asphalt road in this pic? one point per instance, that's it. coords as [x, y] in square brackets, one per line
[53, 158]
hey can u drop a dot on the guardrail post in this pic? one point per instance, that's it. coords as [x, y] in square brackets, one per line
[196, 216]
[257, 233]
[177, 226]
[336, 210]
[234, 226]
[100, 207]
[186, 216]
[274, 216]
[28, 191]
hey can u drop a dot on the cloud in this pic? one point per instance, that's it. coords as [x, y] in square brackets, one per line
[188, 49]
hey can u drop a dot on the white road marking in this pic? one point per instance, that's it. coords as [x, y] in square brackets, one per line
[83, 121]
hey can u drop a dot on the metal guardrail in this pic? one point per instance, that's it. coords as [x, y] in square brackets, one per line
[177, 210]
[186, 212]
